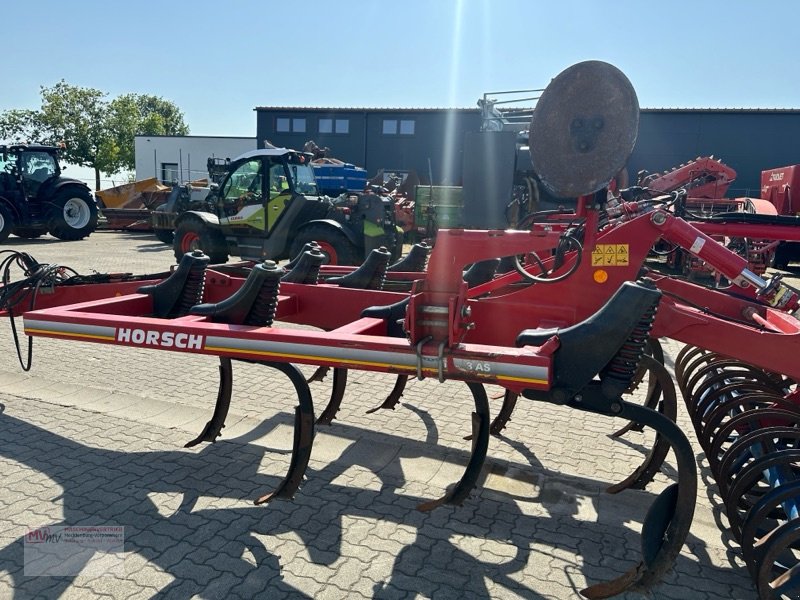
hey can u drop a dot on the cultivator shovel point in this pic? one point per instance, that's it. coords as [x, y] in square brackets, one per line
[748, 422]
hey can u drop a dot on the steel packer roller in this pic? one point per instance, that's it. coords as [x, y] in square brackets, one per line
[746, 419]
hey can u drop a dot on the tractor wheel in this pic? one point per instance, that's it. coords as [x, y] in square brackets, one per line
[781, 257]
[166, 236]
[73, 215]
[28, 233]
[6, 223]
[193, 234]
[337, 249]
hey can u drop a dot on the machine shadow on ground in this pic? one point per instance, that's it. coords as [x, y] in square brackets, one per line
[209, 559]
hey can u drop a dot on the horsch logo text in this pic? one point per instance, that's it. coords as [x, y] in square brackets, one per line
[162, 339]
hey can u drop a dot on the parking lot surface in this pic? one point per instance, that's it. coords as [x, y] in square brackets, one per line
[93, 435]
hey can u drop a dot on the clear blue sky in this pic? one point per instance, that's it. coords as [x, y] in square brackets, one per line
[219, 60]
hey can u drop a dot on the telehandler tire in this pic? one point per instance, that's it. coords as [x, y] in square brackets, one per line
[192, 234]
[333, 244]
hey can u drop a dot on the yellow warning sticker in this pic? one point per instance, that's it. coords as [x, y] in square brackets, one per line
[611, 255]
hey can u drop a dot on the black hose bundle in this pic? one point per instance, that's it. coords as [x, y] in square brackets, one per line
[17, 293]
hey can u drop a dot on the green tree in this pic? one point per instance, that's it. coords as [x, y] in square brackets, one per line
[21, 124]
[141, 114]
[97, 133]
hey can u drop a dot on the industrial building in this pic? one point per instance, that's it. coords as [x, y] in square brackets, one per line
[429, 140]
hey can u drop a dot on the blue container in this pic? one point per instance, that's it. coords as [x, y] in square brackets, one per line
[333, 180]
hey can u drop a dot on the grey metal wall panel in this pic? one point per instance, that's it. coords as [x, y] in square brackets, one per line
[747, 141]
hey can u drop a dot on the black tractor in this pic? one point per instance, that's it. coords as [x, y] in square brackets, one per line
[268, 207]
[35, 199]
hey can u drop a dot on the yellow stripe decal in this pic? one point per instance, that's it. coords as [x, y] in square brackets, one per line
[110, 338]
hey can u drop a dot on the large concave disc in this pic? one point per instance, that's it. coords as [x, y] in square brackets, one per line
[583, 128]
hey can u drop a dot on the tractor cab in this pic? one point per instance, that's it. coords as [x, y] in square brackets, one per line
[260, 185]
[23, 169]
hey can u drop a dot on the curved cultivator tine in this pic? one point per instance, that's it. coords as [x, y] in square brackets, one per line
[644, 474]
[214, 427]
[303, 434]
[480, 445]
[337, 393]
[394, 396]
[318, 375]
[653, 394]
[504, 416]
[667, 522]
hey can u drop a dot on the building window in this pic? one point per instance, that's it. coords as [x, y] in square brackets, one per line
[407, 127]
[403, 126]
[169, 172]
[287, 125]
[338, 126]
[390, 127]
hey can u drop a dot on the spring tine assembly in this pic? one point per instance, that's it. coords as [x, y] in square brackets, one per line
[370, 275]
[176, 295]
[214, 427]
[460, 491]
[667, 523]
[654, 390]
[749, 426]
[504, 416]
[644, 474]
[337, 393]
[255, 304]
[394, 396]
[303, 434]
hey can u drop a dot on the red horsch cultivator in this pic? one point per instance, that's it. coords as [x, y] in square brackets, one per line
[587, 316]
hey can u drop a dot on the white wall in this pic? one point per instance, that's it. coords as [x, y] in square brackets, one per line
[189, 152]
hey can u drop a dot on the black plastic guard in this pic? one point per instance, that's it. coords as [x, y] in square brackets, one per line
[414, 261]
[173, 296]
[481, 272]
[369, 276]
[588, 346]
[394, 314]
[238, 307]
